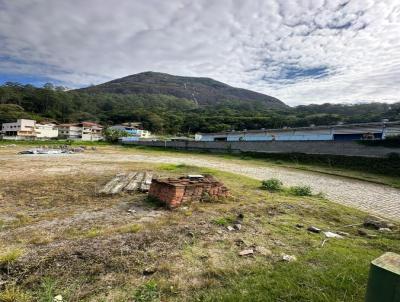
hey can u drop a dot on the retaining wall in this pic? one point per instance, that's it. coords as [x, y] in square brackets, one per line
[346, 148]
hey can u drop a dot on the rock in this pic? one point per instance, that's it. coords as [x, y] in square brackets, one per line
[230, 228]
[58, 298]
[263, 251]
[376, 223]
[362, 232]
[343, 233]
[246, 252]
[313, 229]
[300, 226]
[149, 271]
[219, 232]
[132, 211]
[383, 230]
[332, 235]
[288, 258]
[237, 226]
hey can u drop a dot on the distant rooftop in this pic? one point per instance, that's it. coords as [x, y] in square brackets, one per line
[324, 127]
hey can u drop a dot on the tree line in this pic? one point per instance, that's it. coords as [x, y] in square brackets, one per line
[167, 114]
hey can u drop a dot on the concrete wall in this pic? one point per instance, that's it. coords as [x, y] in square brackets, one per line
[347, 148]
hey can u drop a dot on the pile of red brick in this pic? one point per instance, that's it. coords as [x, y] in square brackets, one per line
[173, 192]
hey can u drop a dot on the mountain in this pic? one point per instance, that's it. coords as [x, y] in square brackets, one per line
[203, 91]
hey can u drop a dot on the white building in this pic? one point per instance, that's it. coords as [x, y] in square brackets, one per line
[91, 131]
[316, 133]
[85, 131]
[69, 131]
[46, 130]
[21, 129]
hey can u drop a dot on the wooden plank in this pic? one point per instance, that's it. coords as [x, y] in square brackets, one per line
[122, 183]
[145, 185]
[111, 184]
[133, 185]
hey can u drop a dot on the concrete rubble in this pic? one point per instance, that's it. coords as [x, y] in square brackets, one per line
[332, 235]
[288, 258]
[128, 182]
[246, 252]
[64, 149]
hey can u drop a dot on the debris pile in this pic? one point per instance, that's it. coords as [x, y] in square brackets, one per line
[64, 149]
[128, 182]
[193, 188]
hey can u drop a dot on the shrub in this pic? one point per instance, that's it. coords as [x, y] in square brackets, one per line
[272, 185]
[300, 190]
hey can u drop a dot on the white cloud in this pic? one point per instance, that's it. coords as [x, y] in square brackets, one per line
[299, 51]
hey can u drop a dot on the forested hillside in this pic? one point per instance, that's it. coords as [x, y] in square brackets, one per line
[169, 114]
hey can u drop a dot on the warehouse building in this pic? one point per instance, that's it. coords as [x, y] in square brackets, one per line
[314, 133]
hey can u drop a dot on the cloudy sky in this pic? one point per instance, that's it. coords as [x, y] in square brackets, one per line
[305, 51]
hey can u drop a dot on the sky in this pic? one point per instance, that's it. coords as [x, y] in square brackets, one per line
[302, 52]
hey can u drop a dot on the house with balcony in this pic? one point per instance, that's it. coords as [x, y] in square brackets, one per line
[86, 131]
[19, 130]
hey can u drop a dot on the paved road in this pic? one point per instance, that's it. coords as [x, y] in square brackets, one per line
[373, 198]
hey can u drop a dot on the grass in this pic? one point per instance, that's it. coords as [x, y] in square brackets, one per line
[14, 294]
[223, 221]
[148, 292]
[325, 274]
[10, 256]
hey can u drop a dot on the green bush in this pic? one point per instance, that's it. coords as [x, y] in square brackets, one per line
[272, 185]
[300, 190]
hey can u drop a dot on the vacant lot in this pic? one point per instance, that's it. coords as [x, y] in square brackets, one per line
[59, 237]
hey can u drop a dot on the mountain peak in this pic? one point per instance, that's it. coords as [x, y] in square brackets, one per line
[202, 90]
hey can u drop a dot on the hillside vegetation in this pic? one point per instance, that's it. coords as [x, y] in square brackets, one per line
[170, 114]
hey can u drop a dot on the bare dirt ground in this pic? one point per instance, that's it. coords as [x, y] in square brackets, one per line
[376, 199]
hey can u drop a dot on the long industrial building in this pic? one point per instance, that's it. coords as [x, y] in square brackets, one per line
[347, 132]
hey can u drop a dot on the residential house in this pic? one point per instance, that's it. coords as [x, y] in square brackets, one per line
[85, 131]
[46, 130]
[69, 131]
[134, 130]
[91, 131]
[21, 129]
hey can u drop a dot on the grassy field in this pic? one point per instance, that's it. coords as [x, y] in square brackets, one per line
[59, 237]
